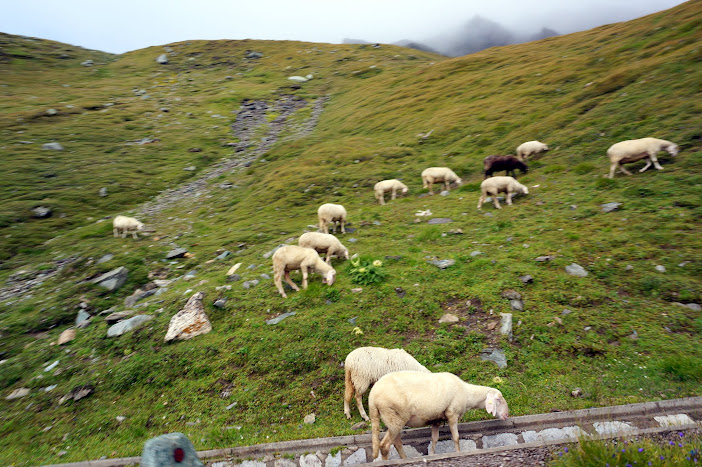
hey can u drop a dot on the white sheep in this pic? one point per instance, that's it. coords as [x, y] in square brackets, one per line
[324, 243]
[384, 186]
[331, 213]
[292, 258]
[125, 225]
[636, 149]
[366, 365]
[437, 175]
[530, 148]
[493, 186]
[410, 398]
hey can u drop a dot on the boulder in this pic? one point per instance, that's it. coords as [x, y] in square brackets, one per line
[162, 59]
[66, 336]
[127, 325]
[189, 322]
[42, 212]
[112, 280]
[170, 450]
[52, 146]
[609, 207]
[176, 253]
[576, 270]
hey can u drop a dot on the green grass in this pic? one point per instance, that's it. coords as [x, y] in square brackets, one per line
[645, 83]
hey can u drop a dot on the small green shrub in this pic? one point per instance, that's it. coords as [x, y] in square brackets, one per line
[366, 271]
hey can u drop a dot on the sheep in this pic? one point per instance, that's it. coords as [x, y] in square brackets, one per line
[439, 174]
[636, 149]
[530, 148]
[125, 225]
[417, 399]
[324, 243]
[366, 365]
[384, 186]
[331, 213]
[493, 186]
[507, 163]
[291, 258]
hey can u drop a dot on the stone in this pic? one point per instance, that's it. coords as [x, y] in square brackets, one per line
[400, 292]
[118, 316]
[511, 294]
[280, 318]
[310, 419]
[333, 460]
[612, 428]
[176, 253]
[249, 284]
[410, 451]
[476, 253]
[609, 207]
[542, 259]
[82, 317]
[526, 279]
[500, 439]
[359, 426]
[52, 366]
[220, 303]
[693, 306]
[445, 193]
[516, 305]
[172, 449]
[105, 258]
[674, 420]
[576, 270]
[224, 254]
[189, 322]
[138, 294]
[112, 280]
[190, 168]
[506, 325]
[102, 192]
[448, 318]
[162, 59]
[357, 457]
[298, 79]
[233, 278]
[440, 220]
[87, 63]
[566, 312]
[42, 212]
[17, 393]
[442, 263]
[66, 336]
[447, 446]
[127, 325]
[553, 434]
[120, 418]
[496, 356]
[52, 146]
[270, 253]
[660, 268]
[577, 392]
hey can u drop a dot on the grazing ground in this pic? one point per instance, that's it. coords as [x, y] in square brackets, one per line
[217, 151]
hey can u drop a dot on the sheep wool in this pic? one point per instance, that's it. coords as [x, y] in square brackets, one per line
[324, 243]
[331, 213]
[634, 150]
[125, 225]
[292, 258]
[530, 148]
[493, 186]
[385, 186]
[443, 175]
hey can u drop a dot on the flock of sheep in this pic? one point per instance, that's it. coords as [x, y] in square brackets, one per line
[404, 392]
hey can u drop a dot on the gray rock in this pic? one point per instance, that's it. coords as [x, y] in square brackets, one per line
[516, 305]
[105, 258]
[447, 446]
[612, 428]
[440, 220]
[172, 449]
[511, 294]
[233, 278]
[42, 212]
[693, 306]
[264, 276]
[359, 426]
[310, 419]
[496, 356]
[476, 253]
[445, 193]
[609, 207]
[220, 303]
[442, 263]
[501, 439]
[17, 393]
[660, 268]
[333, 461]
[127, 325]
[51, 112]
[118, 316]
[358, 457]
[270, 253]
[112, 280]
[103, 192]
[162, 59]
[176, 253]
[190, 168]
[545, 258]
[566, 312]
[280, 318]
[224, 255]
[138, 294]
[52, 146]
[526, 279]
[87, 63]
[448, 318]
[189, 322]
[352, 240]
[576, 270]
[249, 284]
[82, 316]
[506, 325]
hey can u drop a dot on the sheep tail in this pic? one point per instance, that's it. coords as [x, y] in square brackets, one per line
[348, 393]
[375, 423]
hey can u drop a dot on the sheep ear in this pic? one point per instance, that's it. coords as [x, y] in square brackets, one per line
[491, 404]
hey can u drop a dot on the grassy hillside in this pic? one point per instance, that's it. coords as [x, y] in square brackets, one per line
[622, 340]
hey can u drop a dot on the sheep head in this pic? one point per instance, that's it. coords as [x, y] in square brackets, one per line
[673, 149]
[496, 405]
[329, 277]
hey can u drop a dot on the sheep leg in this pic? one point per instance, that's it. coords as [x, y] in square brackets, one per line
[394, 193]
[481, 201]
[290, 282]
[621, 167]
[381, 198]
[655, 163]
[391, 436]
[434, 439]
[348, 393]
[277, 280]
[398, 445]
[304, 277]
[134, 234]
[494, 198]
[115, 233]
[509, 197]
[612, 169]
[342, 227]
[359, 403]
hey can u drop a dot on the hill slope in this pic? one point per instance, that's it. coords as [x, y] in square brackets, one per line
[266, 152]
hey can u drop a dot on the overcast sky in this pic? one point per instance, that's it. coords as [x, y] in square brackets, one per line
[119, 26]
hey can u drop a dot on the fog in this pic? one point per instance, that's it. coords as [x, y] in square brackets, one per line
[126, 25]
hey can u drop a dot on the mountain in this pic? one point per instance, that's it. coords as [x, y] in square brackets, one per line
[220, 154]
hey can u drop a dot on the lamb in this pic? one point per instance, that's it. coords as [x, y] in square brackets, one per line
[439, 174]
[530, 148]
[493, 186]
[331, 213]
[384, 186]
[125, 225]
[634, 150]
[366, 365]
[291, 258]
[417, 399]
[507, 163]
[324, 243]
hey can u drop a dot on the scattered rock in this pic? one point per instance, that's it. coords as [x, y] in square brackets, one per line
[445, 193]
[400, 292]
[506, 325]
[440, 220]
[176, 253]
[169, 450]
[526, 279]
[82, 317]
[476, 253]
[78, 393]
[127, 325]
[52, 146]
[576, 270]
[103, 192]
[224, 254]
[359, 426]
[17, 393]
[190, 168]
[494, 355]
[609, 207]
[448, 318]
[139, 294]
[233, 277]
[566, 312]
[118, 316]
[66, 336]
[542, 259]
[42, 212]
[298, 79]
[249, 284]
[310, 419]
[189, 322]
[280, 318]
[516, 305]
[112, 280]
[357, 290]
[51, 112]
[442, 263]
[162, 59]
[120, 418]
[220, 303]
[660, 268]
[270, 253]
[105, 258]
[87, 63]
[511, 294]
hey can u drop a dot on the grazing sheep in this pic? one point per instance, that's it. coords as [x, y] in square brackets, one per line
[437, 175]
[324, 243]
[331, 213]
[366, 365]
[125, 225]
[493, 186]
[507, 163]
[634, 150]
[530, 148]
[417, 399]
[384, 186]
[291, 258]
